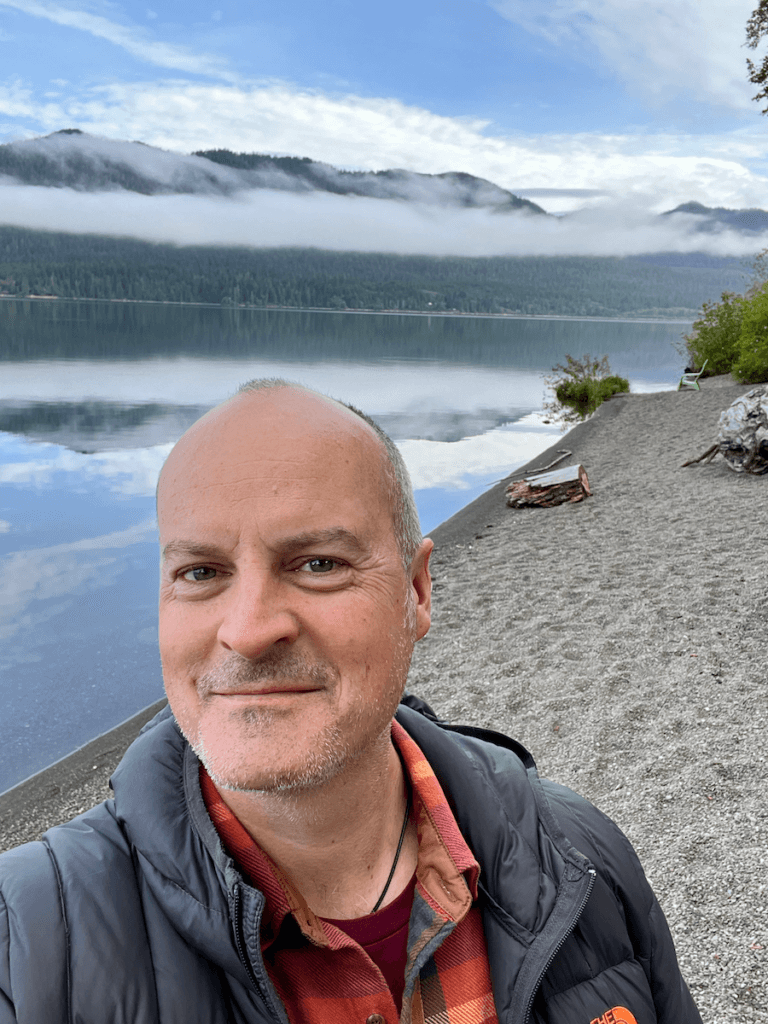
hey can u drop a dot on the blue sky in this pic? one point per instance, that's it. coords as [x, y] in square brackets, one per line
[620, 96]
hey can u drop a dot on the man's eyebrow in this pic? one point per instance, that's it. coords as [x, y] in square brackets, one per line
[307, 539]
[332, 535]
[187, 549]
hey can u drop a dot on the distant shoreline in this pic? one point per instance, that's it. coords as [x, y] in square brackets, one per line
[361, 312]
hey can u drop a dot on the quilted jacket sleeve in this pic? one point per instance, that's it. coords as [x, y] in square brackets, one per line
[622, 881]
[33, 939]
[7, 1013]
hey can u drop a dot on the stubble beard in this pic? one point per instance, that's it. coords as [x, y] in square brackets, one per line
[335, 746]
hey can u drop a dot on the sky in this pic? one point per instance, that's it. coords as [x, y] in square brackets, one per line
[573, 103]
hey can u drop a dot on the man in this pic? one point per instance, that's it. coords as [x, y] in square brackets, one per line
[278, 848]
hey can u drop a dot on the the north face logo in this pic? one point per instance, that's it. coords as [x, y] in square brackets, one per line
[618, 1015]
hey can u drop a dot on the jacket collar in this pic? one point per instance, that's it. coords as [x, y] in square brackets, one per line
[490, 782]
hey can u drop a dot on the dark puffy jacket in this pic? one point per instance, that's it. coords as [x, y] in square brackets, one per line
[133, 913]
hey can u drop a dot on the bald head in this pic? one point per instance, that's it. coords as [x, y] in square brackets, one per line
[302, 413]
[311, 414]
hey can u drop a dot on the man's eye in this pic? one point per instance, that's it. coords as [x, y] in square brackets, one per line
[200, 574]
[318, 565]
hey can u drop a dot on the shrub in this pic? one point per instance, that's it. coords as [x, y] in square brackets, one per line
[751, 364]
[715, 337]
[580, 387]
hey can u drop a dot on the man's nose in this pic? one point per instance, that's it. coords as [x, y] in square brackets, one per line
[256, 616]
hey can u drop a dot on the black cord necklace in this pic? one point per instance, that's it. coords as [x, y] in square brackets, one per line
[397, 852]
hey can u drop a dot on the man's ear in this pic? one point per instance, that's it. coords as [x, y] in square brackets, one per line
[421, 581]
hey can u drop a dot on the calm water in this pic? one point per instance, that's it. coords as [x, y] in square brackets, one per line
[93, 395]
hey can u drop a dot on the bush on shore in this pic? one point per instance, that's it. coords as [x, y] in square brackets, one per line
[751, 366]
[714, 339]
[580, 386]
[732, 335]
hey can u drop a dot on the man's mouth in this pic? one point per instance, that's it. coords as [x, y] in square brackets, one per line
[271, 676]
[266, 691]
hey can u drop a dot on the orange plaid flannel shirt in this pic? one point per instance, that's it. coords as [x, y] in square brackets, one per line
[323, 976]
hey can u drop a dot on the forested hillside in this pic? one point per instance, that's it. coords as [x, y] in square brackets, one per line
[72, 159]
[450, 188]
[92, 266]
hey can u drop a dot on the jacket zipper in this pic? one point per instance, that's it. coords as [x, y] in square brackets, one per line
[269, 1004]
[566, 932]
[239, 939]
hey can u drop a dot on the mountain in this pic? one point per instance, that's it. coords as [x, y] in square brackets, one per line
[87, 163]
[716, 218]
[452, 188]
[72, 159]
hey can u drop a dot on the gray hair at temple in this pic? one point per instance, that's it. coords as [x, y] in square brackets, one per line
[405, 518]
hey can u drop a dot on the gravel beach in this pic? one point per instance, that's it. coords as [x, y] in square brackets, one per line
[623, 641]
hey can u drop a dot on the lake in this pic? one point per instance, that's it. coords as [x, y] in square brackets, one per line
[93, 395]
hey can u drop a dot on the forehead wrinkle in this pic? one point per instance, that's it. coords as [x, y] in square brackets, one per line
[252, 461]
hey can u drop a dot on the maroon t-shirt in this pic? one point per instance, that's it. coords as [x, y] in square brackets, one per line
[384, 937]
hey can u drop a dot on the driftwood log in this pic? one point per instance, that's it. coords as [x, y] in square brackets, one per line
[707, 457]
[547, 489]
[562, 453]
[742, 437]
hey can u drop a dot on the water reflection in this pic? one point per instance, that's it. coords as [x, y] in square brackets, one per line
[91, 399]
[112, 331]
[97, 425]
[78, 553]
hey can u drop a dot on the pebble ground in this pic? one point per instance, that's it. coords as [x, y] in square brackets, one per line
[624, 641]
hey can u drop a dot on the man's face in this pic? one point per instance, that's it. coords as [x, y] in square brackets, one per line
[287, 621]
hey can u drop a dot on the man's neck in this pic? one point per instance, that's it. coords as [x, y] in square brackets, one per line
[337, 842]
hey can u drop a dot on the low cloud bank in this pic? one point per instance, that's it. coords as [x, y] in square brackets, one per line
[268, 218]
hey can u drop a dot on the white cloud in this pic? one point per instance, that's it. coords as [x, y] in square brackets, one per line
[453, 464]
[5, 526]
[267, 218]
[137, 42]
[17, 100]
[132, 472]
[350, 131]
[661, 49]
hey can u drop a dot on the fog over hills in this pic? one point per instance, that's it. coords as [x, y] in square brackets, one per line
[72, 159]
[73, 182]
[713, 219]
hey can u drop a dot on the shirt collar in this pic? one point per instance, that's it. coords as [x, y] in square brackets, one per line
[447, 873]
